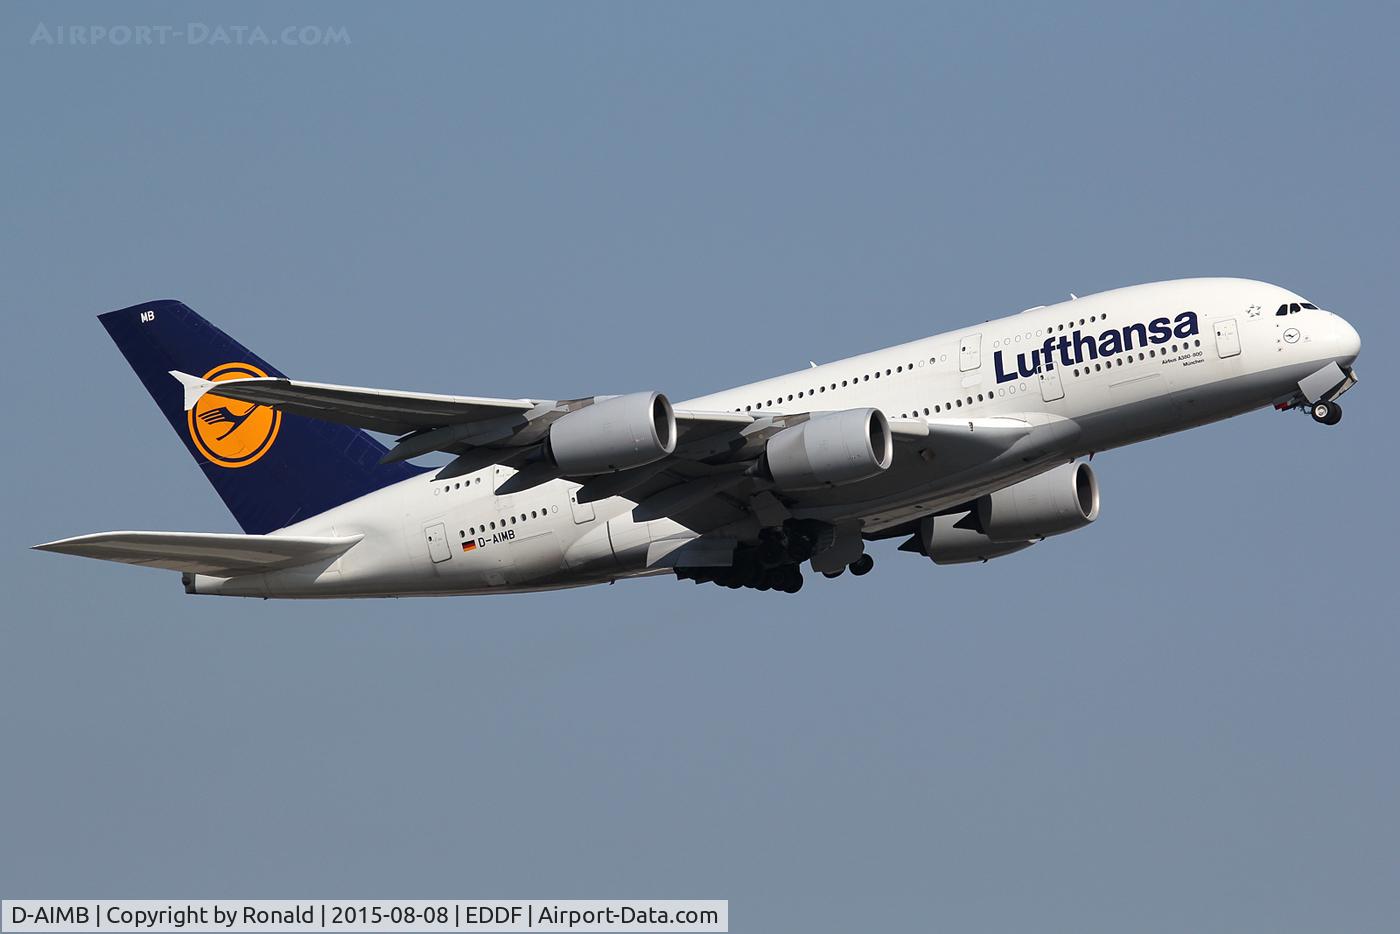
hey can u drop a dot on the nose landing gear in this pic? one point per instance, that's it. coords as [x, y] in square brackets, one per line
[1326, 413]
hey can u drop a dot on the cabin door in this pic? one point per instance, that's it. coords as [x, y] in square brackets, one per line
[970, 352]
[438, 548]
[583, 512]
[1051, 387]
[1227, 338]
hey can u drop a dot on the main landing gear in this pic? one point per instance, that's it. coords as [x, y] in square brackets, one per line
[1326, 413]
[859, 567]
[773, 562]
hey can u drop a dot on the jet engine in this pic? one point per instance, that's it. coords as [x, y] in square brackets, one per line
[1057, 501]
[613, 434]
[828, 450]
[956, 539]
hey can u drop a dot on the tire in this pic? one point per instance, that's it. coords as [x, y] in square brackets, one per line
[1321, 412]
[862, 565]
[1335, 416]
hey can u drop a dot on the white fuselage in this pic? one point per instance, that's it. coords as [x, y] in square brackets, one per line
[1222, 351]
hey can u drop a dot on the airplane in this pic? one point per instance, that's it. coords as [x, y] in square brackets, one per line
[969, 445]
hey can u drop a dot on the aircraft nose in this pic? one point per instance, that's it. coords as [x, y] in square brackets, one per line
[1348, 341]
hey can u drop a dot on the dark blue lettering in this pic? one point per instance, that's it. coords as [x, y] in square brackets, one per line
[1186, 325]
[1002, 377]
[1035, 364]
[1081, 344]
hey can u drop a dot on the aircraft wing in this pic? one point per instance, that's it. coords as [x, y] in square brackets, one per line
[474, 421]
[221, 555]
[385, 410]
[431, 422]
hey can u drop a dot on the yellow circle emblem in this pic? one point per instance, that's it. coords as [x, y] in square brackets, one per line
[228, 432]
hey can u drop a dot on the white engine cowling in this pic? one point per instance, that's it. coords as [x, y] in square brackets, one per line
[613, 434]
[1058, 501]
[954, 539]
[830, 449]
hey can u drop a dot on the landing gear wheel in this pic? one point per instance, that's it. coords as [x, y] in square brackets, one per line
[791, 579]
[1327, 413]
[832, 575]
[862, 565]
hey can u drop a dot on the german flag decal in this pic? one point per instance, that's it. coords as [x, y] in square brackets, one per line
[469, 546]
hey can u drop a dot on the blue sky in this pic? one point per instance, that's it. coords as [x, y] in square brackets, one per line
[1183, 717]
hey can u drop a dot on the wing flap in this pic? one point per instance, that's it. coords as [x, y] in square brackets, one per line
[214, 553]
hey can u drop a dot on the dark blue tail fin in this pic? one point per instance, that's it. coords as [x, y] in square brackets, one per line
[271, 468]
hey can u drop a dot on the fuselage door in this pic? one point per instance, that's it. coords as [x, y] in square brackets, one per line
[438, 547]
[1051, 387]
[583, 512]
[970, 352]
[1227, 338]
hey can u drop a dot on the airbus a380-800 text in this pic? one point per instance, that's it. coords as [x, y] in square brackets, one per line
[968, 445]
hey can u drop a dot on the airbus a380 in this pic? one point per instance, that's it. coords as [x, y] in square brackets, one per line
[969, 445]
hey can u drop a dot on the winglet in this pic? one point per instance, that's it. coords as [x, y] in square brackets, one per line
[195, 387]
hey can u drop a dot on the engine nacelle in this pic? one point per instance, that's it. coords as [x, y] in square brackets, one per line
[830, 449]
[613, 434]
[1058, 501]
[955, 539]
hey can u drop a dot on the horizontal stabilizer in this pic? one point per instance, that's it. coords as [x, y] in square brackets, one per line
[214, 553]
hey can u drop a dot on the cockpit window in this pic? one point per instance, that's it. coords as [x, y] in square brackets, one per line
[1282, 310]
[1292, 308]
[1310, 305]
